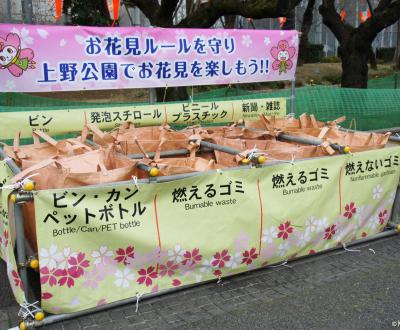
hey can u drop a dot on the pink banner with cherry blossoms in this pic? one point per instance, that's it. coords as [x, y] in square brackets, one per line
[35, 58]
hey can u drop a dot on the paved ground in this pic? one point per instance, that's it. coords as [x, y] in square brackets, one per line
[338, 290]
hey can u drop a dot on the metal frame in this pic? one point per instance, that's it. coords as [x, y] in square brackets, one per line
[22, 248]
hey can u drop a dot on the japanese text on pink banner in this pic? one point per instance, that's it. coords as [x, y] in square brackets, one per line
[60, 58]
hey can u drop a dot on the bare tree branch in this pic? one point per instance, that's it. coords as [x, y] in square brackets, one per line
[206, 14]
[381, 20]
[150, 8]
[331, 19]
[382, 5]
[168, 7]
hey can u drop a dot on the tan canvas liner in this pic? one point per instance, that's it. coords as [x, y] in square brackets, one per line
[27, 155]
[72, 163]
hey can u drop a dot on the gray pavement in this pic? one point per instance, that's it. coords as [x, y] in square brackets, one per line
[337, 290]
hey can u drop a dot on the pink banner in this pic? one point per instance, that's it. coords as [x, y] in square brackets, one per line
[36, 58]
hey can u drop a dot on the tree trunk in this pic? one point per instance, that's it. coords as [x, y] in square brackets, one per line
[172, 94]
[305, 30]
[355, 56]
[290, 23]
[396, 58]
[189, 4]
[372, 59]
[230, 21]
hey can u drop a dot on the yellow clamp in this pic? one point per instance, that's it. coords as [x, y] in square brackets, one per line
[13, 198]
[261, 159]
[34, 263]
[154, 171]
[39, 316]
[28, 185]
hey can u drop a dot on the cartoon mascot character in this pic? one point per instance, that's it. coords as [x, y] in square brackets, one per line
[13, 58]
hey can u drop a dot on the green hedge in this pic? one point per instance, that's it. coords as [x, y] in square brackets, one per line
[313, 53]
[385, 54]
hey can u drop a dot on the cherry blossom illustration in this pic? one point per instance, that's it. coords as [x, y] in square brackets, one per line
[109, 267]
[246, 40]
[249, 256]
[321, 224]
[383, 215]
[122, 254]
[311, 224]
[176, 255]
[42, 33]
[169, 269]
[377, 192]
[373, 222]
[123, 278]
[330, 232]
[206, 266]
[241, 242]
[77, 265]
[344, 231]
[23, 34]
[269, 234]
[5, 239]
[285, 229]
[187, 269]
[93, 277]
[46, 295]
[283, 249]
[10, 85]
[17, 279]
[217, 273]
[304, 239]
[48, 276]
[176, 282]
[282, 56]
[191, 257]
[235, 261]
[64, 256]
[220, 258]
[101, 255]
[49, 257]
[141, 260]
[64, 277]
[146, 276]
[350, 210]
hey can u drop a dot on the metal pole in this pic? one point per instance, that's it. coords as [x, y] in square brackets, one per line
[293, 97]
[395, 80]
[394, 138]
[218, 147]
[152, 95]
[27, 10]
[9, 11]
[21, 254]
[169, 153]
[385, 130]
[57, 318]
[13, 167]
[310, 141]
[396, 209]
